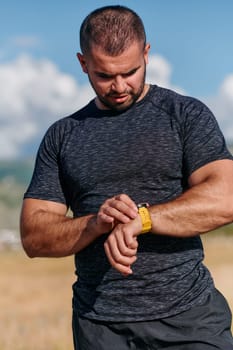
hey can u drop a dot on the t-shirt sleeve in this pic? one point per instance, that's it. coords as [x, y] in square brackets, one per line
[46, 182]
[203, 141]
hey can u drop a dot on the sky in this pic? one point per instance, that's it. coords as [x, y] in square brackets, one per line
[41, 80]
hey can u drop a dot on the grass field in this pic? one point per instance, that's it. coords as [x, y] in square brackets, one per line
[35, 303]
[35, 296]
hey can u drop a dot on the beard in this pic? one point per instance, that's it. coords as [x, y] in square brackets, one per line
[107, 100]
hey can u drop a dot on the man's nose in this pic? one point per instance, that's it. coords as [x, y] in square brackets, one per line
[119, 85]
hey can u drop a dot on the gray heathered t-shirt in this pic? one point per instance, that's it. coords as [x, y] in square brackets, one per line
[147, 152]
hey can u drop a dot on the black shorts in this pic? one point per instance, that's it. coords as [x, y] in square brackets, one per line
[203, 327]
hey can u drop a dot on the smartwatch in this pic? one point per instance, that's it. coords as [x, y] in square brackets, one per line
[145, 217]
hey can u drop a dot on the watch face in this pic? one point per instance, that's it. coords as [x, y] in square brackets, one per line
[143, 205]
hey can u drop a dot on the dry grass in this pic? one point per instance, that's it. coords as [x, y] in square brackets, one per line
[35, 303]
[219, 259]
[35, 299]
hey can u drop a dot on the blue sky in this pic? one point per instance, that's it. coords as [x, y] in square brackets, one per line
[191, 42]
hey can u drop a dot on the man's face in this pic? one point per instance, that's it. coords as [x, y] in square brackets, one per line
[118, 81]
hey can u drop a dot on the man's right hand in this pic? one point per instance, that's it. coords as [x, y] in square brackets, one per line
[118, 209]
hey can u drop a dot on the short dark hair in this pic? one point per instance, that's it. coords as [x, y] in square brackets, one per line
[113, 28]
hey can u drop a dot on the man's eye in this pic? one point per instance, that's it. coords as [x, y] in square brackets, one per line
[103, 76]
[132, 72]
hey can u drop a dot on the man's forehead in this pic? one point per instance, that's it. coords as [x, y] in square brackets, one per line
[125, 62]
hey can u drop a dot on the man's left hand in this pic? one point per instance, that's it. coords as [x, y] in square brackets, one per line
[121, 245]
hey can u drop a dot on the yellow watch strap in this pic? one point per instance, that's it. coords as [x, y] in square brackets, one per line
[145, 217]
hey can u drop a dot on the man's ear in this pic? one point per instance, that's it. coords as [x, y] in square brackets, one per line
[82, 62]
[146, 52]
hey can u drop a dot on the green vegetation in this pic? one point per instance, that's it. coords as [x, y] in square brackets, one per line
[19, 170]
[14, 178]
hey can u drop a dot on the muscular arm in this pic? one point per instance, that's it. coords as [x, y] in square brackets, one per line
[208, 203]
[46, 231]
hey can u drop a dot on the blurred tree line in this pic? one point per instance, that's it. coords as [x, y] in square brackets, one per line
[14, 179]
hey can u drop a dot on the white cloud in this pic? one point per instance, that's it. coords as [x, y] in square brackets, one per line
[159, 72]
[222, 106]
[35, 93]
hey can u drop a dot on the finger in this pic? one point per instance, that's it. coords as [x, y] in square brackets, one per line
[104, 217]
[127, 200]
[125, 204]
[132, 243]
[127, 251]
[127, 244]
[115, 214]
[119, 210]
[115, 256]
[123, 269]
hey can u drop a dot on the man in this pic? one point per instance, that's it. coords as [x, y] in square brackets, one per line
[145, 172]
